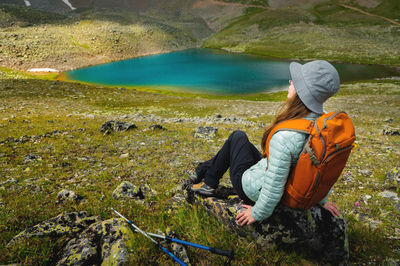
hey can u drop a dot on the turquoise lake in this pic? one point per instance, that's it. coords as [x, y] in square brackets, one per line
[209, 71]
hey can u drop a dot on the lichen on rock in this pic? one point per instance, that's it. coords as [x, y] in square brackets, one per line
[105, 242]
[392, 178]
[112, 125]
[65, 224]
[205, 132]
[128, 190]
[90, 241]
[68, 195]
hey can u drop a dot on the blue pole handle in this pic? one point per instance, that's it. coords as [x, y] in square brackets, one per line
[223, 252]
[172, 256]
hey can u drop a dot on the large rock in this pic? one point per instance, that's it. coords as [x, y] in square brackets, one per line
[90, 241]
[66, 224]
[314, 230]
[106, 243]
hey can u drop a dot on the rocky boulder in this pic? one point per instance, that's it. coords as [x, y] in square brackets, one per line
[391, 131]
[118, 126]
[66, 224]
[157, 127]
[205, 132]
[90, 241]
[392, 178]
[315, 231]
[127, 190]
[68, 195]
[106, 243]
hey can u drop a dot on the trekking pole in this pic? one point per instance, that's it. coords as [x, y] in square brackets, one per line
[152, 240]
[223, 252]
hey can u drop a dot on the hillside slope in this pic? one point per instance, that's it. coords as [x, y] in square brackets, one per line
[325, 31]
[88, 36]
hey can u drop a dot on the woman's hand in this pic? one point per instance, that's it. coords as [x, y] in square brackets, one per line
[244, 217]
[332, 208]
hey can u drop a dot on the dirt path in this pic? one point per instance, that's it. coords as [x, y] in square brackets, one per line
[221, 3]
[369, 14]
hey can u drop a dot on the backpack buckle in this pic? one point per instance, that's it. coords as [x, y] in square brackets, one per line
[312, 155]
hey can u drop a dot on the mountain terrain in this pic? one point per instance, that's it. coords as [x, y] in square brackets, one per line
[51, 34]
[59, 154]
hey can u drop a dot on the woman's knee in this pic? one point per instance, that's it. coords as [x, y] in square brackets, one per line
[237, 134]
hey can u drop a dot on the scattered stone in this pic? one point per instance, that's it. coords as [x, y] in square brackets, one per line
[393, 178]
[397, 206]
[389, 120]
[127, 190]
[388, 195]
[34, 138]
[9, 181]
[157, 127]
[366, 198]
[391, 262]
[348, 177]
[390, 131]
[124, 155]
[31, 158]
[112, 125]
[65, 164]
[83, 159]
[369, 221]
[205, 132]
[365, 172]
[68, 195]
[178, 249]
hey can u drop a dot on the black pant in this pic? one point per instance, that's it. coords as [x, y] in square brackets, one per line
[238, 154]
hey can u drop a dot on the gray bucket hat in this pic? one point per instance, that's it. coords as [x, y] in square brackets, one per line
[314, 82]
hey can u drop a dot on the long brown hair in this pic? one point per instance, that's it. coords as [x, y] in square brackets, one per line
[292, 108]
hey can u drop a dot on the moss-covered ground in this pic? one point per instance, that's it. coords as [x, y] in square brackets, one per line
[82, 159]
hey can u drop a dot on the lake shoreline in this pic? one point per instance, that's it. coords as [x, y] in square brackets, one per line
[209, 71]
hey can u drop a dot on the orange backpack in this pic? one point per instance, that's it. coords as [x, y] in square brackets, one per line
[325, 153]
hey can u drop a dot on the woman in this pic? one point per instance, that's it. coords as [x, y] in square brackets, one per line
[260, 184]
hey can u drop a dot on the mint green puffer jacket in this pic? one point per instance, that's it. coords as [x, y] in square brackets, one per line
[266, 187]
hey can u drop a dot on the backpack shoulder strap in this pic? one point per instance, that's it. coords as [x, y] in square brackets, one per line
[298, 125]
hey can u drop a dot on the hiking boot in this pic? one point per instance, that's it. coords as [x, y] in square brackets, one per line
[203, 189]
[193, 177]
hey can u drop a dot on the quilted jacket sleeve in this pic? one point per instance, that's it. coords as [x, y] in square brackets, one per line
[283, 148]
